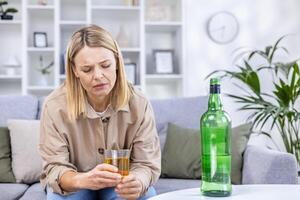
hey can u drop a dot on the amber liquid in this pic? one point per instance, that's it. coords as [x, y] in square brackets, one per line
[121, 163]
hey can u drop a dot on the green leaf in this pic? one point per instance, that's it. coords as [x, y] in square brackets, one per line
[275, 48]
[10, 10]
[258, 52]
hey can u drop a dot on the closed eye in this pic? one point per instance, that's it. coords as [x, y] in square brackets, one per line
[87, 69]
[106, 66]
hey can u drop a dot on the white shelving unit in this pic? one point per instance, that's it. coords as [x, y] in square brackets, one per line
[11, 42]
[145, 32]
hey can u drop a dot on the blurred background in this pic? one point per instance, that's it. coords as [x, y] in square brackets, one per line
[169, 46]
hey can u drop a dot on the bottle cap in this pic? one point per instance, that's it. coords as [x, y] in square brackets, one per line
[214, 81]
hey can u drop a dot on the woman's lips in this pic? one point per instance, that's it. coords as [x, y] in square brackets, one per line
[100, 86]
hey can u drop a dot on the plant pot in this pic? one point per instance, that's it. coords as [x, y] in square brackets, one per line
[7, 17]
[43, 80]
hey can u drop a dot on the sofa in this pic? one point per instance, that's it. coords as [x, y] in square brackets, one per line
[260, 164]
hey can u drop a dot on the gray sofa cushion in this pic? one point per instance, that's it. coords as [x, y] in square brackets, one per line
[12, 191]
[167, 185]
[266, 166]
[17, 107]
[184, 112]
[34, 192]
[6, 173]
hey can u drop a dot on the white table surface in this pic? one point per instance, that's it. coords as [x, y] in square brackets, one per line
[239, 192]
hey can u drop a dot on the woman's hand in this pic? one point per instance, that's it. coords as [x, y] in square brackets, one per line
[102, 176]
[129, 188]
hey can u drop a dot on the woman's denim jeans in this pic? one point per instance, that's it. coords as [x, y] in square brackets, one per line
[103, 194]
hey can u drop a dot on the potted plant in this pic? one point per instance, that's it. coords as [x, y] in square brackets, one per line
[45, 70]
[277, 107]
[3, 12]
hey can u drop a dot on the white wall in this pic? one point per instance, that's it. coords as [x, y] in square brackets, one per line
[261, 23]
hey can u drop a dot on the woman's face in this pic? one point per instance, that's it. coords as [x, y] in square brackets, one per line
[96, 69]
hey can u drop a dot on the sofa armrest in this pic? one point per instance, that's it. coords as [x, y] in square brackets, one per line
[265, 166]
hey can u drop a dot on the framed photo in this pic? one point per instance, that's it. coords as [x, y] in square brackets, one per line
[163, 61]
[40, 39]
[130, 70]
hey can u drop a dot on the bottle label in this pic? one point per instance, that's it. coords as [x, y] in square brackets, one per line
[215, 89]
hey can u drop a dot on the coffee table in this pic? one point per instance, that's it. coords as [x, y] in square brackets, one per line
[239, 192]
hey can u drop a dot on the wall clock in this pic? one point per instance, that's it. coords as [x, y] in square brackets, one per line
[222, 27]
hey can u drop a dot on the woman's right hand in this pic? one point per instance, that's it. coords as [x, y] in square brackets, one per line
[102, 176]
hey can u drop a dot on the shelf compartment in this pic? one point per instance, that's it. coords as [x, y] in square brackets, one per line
[164, 40]
[170, 10]
[40, 21]
[14, 4]
[11, 44]
[125, 22]
[73, 10]
[35, 77]
[133, 58]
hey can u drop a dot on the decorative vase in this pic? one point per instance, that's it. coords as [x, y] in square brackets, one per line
[123, 37]
[42, 2]
[7, 17]
[43, 80]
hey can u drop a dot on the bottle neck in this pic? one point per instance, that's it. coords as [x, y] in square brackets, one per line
[214, 102]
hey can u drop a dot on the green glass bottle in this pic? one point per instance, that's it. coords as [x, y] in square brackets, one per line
[215, 130]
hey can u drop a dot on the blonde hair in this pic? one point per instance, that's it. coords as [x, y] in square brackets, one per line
[93, 36]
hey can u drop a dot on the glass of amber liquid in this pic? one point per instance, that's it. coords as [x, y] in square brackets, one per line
[118, 158]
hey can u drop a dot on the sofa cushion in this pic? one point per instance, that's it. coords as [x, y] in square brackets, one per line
[26, 161]
[6, 174]
[239, 140]
[17, 107]
[12, 191]
[181, 157]
[34, 192]
[167, 185]
[178, 146]
[185, 112]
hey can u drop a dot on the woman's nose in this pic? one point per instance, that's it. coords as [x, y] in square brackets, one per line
[98, 73]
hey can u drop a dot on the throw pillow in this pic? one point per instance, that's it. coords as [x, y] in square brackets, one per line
[26, 161]
[181, 154]
[239, 139]
[6, 174]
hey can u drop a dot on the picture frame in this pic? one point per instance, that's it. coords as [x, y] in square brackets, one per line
[164, 61]
[131, 70]
[40, 39]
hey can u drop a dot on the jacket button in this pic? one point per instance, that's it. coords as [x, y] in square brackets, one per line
[100, 150]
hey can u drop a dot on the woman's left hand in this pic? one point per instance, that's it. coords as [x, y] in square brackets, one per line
[129, 188]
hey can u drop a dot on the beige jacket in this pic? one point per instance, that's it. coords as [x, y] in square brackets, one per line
[78, 145]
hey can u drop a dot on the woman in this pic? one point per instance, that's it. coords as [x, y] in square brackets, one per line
[97, 109]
